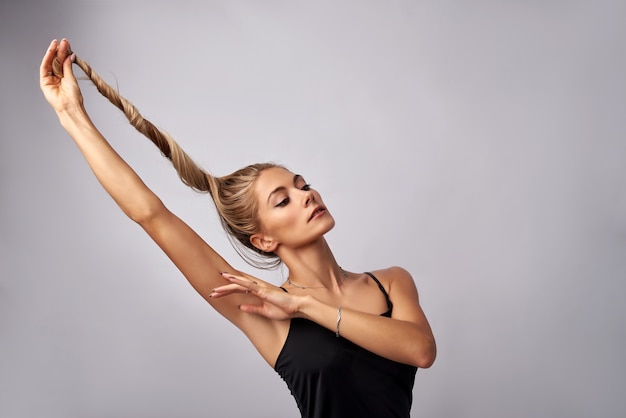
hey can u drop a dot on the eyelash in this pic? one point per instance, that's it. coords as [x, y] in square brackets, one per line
[306, 187]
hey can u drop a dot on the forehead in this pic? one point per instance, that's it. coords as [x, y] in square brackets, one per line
[271, 178]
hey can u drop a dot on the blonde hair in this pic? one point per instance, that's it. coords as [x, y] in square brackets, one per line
[232, 194]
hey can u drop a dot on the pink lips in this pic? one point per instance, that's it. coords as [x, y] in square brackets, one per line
[317, 211]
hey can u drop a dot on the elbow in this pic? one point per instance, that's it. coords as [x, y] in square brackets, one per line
[425, 361]
[425, 355]
[146, 212]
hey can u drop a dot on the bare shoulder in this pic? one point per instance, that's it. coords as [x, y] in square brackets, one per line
[403, 293]
[395, 278]
[392, 274]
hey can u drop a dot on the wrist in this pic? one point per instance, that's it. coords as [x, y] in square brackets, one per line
[71, 109]
[305, 306]
[73, 115]
[328, 316]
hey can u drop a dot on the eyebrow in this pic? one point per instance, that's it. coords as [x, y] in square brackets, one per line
[281, 188]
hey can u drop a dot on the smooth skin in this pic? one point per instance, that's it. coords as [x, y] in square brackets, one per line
[293, 223]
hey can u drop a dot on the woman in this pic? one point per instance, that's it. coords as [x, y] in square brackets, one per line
[347, 344]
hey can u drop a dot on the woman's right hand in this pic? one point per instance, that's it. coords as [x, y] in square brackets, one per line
[56, 77]
[275, 303]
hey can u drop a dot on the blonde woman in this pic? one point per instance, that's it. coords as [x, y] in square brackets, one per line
[347, 344]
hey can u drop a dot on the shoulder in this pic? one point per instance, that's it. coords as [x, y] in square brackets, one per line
[395, 278]
[392, 273]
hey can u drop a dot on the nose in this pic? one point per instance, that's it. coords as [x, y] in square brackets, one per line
[308, 197]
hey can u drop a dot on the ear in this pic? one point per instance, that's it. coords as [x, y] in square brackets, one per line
[264, 243]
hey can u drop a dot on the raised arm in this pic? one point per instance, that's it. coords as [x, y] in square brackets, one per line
[200, 264]
[118, 179]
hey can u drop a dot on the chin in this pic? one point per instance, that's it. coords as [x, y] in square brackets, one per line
[331, 224]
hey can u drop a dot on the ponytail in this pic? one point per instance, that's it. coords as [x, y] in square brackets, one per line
[233, 194]
[188, 171]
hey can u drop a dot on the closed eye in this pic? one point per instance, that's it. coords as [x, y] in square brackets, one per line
[306, 187]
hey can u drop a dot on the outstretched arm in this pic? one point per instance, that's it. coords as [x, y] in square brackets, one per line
[118, 179]
[200, 264]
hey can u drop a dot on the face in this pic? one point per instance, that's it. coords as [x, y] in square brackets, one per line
[291, 213]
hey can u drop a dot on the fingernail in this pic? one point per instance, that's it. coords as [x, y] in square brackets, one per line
[73, 57]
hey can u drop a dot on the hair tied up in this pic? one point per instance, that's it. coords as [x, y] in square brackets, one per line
[188, 171]
[233, 194]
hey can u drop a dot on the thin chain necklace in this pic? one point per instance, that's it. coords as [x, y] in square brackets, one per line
[299, 286]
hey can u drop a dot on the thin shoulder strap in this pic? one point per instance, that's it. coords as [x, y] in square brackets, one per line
[382, 289]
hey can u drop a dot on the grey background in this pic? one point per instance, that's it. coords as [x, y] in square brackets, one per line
[478, 144]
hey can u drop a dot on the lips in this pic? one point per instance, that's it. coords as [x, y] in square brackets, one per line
[317, 211]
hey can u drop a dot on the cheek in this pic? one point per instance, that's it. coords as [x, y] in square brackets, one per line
[282, 221]
[287, 217]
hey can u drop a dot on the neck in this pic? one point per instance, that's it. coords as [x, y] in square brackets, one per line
[314, 266]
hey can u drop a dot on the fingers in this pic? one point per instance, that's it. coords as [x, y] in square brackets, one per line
[243, 282]
[252, 309]
[269, 301]
[65, 50]
[45, 70]
[226, 290]
[54, 60]
[238, 285]
[58, 63]
[67, 65]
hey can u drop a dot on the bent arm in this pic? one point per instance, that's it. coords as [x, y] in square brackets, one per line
[406, 337]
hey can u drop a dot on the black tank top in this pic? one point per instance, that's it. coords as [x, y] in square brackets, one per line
[331, 377]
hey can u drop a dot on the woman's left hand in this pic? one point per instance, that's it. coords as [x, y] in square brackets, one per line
[275, 303]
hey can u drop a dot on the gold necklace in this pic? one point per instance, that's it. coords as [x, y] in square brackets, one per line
[299, 286]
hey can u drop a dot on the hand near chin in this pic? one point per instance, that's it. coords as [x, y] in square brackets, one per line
[273, 302]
